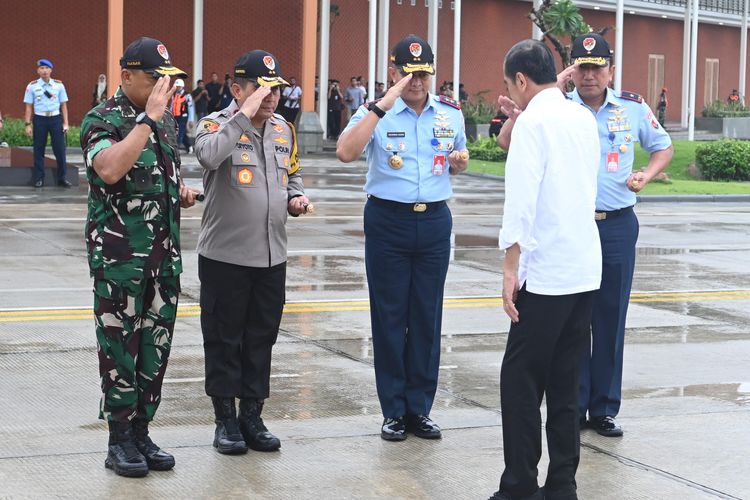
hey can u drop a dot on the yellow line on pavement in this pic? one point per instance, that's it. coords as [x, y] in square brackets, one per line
[184, 311]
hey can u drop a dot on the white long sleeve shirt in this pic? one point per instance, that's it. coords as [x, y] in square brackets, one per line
[550, 196]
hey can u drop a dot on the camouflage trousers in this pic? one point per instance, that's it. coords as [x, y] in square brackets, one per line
[134, 325]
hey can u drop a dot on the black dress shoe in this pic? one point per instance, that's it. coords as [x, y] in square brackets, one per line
[64, 183]
[606, 426]
[39, 183]
[393, 429]
[422, 426]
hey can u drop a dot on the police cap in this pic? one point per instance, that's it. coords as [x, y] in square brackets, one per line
[413, 54]
[591, 48]
[44, 62]
[151, 56]
[260, 66]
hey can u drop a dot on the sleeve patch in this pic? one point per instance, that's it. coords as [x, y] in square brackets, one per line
[210, 126]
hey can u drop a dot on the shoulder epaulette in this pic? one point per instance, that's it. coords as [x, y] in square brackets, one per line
[57, 81]
[631, 96]
[32, 82]
[450, 102]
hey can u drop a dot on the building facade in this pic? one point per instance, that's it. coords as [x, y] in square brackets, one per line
[77, 42]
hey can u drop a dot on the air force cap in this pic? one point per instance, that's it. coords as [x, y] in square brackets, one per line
[591, 48]
[413, 54]
[261, 66]
[44, 62]
[151, 56]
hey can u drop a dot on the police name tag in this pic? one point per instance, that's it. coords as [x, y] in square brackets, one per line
[443, 132]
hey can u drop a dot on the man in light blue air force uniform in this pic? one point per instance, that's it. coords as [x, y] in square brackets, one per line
[47, 99]
[624, 119]
[414, 142]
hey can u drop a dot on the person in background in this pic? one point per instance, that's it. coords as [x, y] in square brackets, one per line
[214, 89]
[335, 105]
[200, 100]
[47, 100]
[100, 91]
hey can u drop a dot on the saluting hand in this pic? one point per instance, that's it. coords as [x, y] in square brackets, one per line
[389, 99]
[566, 76]
[159, 98]
[252, 103]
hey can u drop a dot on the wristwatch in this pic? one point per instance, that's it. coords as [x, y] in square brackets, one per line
[144, 118]
[373, 106]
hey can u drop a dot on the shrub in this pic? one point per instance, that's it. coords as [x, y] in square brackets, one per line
[726, 160]
[478, 110]
[486, 149]
[14, 134]
[721, 109]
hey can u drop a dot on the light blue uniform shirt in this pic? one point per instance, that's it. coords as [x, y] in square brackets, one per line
[423, 142]
[622, 122]
[42, 104]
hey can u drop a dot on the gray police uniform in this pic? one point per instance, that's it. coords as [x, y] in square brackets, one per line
[249, 177]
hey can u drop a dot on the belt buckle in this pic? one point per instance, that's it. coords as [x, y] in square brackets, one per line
[600, 215]
[420, 207]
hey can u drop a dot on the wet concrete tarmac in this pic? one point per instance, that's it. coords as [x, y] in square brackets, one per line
[686, 411]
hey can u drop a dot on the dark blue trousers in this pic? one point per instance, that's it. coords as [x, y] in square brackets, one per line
[52, 125]
[182, 137]
[601, 369]
[406, 256]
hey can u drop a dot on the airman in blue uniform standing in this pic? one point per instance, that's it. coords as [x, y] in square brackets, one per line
[624, 120]
[47, 99]
[414, 142]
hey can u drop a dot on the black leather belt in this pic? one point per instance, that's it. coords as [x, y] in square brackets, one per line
[409, 207]
[611, 214]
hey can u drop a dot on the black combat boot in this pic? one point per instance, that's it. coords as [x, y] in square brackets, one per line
[227, 438]
[253, 430]
[156, 458]
[123, 456]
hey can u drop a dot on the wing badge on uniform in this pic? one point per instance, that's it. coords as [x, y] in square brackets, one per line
[280, 140]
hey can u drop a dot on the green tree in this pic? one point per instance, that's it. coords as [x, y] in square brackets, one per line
[561, 21]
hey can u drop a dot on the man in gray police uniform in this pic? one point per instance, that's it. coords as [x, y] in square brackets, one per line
[252, 181]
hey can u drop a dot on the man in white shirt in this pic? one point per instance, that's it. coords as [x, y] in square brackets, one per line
[292, 95]
[552, 266]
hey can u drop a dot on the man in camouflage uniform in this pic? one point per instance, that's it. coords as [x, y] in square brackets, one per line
[252, 182]
[133, 242]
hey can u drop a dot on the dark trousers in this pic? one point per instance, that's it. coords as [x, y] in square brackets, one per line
[53, 126]
[182, 137]
[334, 123]
[289, 114]
[601, 367]
[542, 359]
[406, 256]
[240, 315]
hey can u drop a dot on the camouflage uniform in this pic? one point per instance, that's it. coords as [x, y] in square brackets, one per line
[133, 245]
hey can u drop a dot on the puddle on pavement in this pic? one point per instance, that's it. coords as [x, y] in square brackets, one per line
[738, 393]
